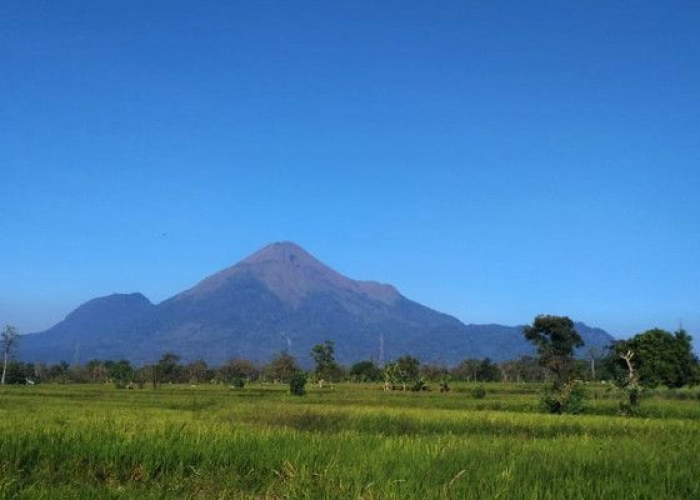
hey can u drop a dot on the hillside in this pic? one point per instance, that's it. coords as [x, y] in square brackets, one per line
[279, 298]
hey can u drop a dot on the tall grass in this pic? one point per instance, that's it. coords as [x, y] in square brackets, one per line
[352, 441]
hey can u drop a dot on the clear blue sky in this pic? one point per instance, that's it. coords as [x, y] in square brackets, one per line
[493, 160]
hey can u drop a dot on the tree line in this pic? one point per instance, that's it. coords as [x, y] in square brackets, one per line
[655, 357]
[169, 369]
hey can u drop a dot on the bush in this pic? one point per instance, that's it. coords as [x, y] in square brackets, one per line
[420, 385]
[479, 392]
[629, 406]
[238, 383]
[568, 398]
[445, 384]
[297, 384]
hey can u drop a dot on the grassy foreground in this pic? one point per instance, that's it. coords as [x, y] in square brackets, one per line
[351, 441]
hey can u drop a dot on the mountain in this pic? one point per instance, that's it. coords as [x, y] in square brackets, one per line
[99, 329]
[279, 298]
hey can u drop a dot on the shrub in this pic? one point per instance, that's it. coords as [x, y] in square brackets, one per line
[568, 398]
[297, 384]
[479, 392]
[629, 406]
[420, 385]
[445, 384]
[238, 383]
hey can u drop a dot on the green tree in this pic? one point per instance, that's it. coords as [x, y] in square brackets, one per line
[488, 371]
[392, 376]
[238, 369]
[168, 368]
[297, 384]
[661, 358]
[120, 372]
[324, 357]
[433, 372]
[18, 373]
[366, 371]
[8, 342]
[466, 370]
[59, 372]
[555, 338]
[410, 367]
[527, 369]
[282, 367]
[404, 370]
[197, 371]
[95, 371]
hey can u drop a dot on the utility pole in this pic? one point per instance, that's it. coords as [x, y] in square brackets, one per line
[381, 349]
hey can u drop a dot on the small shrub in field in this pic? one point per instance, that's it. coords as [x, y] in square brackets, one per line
[297, 384]
[238, 383]
[420, 385]
[568, 398]
[629, 406]
[445, 384]
[479, 392]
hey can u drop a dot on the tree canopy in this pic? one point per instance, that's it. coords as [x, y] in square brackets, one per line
[662, 358]
[324, 356]
[366, 371]
[282, 367]
[555, 338]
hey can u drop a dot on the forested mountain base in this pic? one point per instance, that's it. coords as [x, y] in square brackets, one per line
[346, 441]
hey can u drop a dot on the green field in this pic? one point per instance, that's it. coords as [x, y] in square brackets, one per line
[349, 441]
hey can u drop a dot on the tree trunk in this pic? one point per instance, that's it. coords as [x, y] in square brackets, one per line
[4, 369]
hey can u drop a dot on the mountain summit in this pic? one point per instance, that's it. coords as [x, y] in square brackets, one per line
[292, 274]
[285, 251]
[279, 298]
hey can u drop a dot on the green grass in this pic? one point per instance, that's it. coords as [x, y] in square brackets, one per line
[352, 441]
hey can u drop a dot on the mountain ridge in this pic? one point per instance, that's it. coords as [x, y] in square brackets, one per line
[278, 298]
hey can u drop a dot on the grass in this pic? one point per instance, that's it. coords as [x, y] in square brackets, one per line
[351, 441]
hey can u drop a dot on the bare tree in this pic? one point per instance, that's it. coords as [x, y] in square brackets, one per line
[9, 340]
[632, 384]
[504, 372]
[593, 354]
[632, 376]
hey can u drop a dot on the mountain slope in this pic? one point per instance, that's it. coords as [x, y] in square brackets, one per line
[102, 328]
[280, 298]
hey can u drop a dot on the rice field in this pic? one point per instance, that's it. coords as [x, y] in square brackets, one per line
[349, 441]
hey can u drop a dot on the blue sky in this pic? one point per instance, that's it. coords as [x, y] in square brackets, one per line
[493, 160]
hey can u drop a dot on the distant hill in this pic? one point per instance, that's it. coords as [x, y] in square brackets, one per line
[279, 298]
